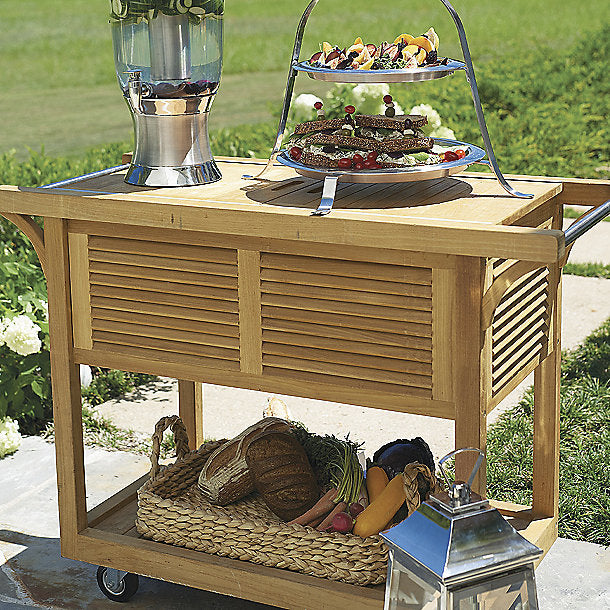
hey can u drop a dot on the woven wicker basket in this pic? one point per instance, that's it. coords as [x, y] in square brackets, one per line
[171, 509]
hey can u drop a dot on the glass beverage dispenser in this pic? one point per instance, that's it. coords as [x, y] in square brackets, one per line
[168, 57]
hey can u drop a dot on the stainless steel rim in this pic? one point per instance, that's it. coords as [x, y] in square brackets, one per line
[407, 174]
[406, 75]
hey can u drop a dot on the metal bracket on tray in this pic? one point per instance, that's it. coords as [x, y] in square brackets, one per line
[328, 195]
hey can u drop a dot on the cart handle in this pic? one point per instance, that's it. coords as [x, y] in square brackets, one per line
[181, 439]
[587, 221]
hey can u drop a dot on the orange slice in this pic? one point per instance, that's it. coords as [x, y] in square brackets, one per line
[424, 43]
[366, 65]
[406, 38]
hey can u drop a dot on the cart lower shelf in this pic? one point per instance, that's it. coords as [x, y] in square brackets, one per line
[111, 540]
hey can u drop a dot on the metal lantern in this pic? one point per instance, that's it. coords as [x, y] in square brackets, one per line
[458, 553]
[168, 57]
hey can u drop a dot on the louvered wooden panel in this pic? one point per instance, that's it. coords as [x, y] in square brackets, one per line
[520, 324]
[152, 298]
[362, 325]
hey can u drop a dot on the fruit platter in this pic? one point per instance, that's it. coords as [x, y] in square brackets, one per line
[407, 59]
[374, 148]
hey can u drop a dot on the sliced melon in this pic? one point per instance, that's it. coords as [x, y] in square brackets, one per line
[424, 43]
[367, 65]
[358, 41]
[326, 48]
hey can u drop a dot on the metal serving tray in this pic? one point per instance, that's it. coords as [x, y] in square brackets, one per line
[406, 75]
[406, 174]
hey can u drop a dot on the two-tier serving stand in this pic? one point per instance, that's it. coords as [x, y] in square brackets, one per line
[406, 75]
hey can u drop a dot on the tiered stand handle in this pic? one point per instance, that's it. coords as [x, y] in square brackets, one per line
[467, 67]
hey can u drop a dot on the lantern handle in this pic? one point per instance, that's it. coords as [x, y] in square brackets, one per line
[453, 454]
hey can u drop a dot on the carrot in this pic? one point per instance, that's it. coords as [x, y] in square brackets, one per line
[319, 509]
[316, 522]
[376, 481]
[329, 518]
[380, 511]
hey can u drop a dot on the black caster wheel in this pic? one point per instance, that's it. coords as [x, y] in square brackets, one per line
[121, 592]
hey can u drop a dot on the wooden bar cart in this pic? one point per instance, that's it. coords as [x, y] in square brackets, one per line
[435, 298]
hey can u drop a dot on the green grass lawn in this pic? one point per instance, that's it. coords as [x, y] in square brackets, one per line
[584, 477]
[59, 88]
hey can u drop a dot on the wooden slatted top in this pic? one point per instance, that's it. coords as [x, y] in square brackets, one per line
[466, 215]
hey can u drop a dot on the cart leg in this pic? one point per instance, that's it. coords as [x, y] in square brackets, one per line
[65, 380]
[547, 379]
[469, 372]
[190, 409]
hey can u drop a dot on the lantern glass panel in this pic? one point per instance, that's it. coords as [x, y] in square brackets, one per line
[408, 587]
[514, 591]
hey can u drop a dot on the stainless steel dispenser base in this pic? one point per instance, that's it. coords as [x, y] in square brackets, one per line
[190, 175]
[172, 146]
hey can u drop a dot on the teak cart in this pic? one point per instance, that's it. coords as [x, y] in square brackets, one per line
[435, 298]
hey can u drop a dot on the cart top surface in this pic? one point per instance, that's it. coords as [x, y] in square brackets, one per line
[459, 215]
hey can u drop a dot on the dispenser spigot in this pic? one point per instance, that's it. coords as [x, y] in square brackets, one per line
[134, 90]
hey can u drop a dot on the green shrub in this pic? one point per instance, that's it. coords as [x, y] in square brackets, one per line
[108, 383]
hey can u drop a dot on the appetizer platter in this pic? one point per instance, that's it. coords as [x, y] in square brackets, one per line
[406, 59]
[374, 148]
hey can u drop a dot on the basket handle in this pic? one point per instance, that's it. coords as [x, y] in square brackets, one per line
[181, 439]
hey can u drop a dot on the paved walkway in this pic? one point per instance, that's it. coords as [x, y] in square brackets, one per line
[573, 576]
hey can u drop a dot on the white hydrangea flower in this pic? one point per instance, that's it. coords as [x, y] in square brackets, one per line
[434, 119]
[302, 107]
[443, 132]
[10, 439]
[86, 376]
[21, 335]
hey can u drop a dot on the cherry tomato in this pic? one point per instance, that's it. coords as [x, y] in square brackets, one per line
[318, 105]
[368, 164]
[460, 153]
[387, 99]
[345, 163]
[372, 156]
[359, 166]
[296, 152]
[376, 166]
[450, 156]
[350, 109]
[358, 158]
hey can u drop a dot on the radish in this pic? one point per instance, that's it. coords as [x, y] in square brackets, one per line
[355, 508]
[342, 523]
